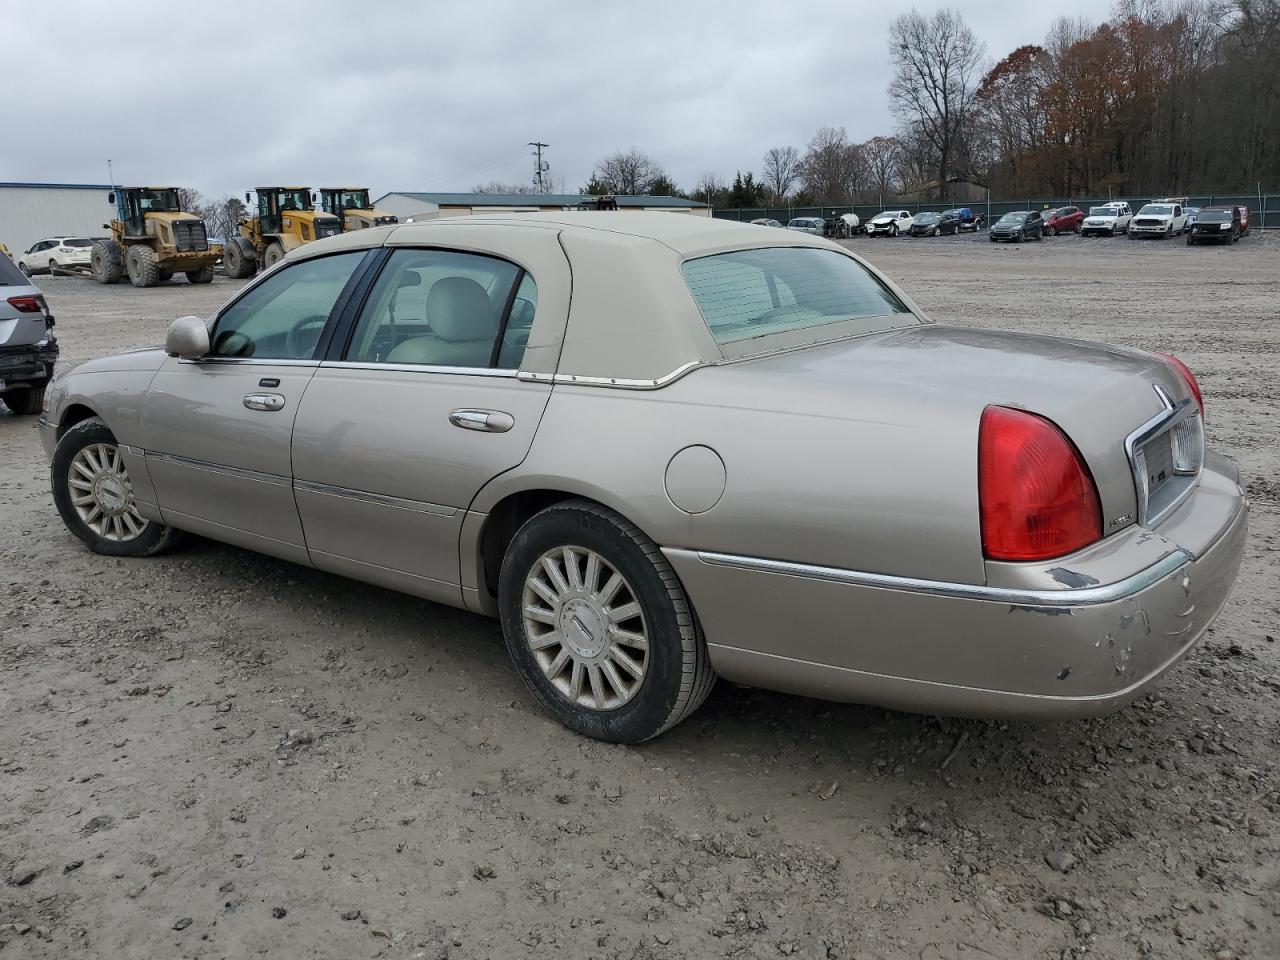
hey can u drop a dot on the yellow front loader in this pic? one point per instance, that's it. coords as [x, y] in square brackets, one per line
[152, 239]
[286, 219]
[352, 208]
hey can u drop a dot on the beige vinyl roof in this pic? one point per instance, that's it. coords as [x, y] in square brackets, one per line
[630, 315]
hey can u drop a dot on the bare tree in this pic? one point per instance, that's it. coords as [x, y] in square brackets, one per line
[493, 186]
[880, 156]
[937, 61]
[710, 188]
[832, 167]
[628, 172]
[781, 170]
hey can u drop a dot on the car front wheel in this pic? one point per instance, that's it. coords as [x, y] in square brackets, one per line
[599, 626]
[94, 495]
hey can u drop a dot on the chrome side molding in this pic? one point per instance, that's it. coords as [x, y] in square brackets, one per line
[1075, 597]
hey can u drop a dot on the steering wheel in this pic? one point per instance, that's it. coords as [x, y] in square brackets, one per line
[303, 337]
[232, 343]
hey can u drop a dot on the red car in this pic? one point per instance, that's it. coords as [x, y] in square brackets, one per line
[1063, 220]
[1244, 220]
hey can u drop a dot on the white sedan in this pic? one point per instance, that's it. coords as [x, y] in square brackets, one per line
[55, 253]
[890, 223]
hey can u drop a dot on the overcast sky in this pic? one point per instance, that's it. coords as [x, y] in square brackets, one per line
[442, 96]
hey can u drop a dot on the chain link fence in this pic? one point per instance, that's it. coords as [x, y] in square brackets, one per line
[1264, 208]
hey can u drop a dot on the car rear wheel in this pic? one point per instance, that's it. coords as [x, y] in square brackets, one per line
[94, 495]
[24, 401]
[598, 625]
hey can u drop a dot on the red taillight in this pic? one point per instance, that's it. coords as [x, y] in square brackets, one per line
[1187, 375]
[27, 304]
[1036, 497]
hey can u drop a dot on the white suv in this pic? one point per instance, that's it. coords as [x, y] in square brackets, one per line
[890, 223]
[1161, 218]
[45, 256]
[1108, 219]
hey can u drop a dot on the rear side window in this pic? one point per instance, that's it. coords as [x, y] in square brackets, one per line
[445, 308]
[751, 293]
[77, 242]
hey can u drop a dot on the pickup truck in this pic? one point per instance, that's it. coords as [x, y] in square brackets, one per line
[1163, 218]
[969, 221]
[1107, 220]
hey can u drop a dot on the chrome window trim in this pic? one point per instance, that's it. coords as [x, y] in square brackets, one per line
[418, 368]
[250, 361]
[621, 383]
[218, 468]
[1162, 421]
[381, 499]
[1069, 597]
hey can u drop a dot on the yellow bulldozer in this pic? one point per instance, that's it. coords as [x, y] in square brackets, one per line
[286, 219]
[152, 238]
[352, 208]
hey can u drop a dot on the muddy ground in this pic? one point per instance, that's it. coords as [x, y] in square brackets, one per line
[215, 754]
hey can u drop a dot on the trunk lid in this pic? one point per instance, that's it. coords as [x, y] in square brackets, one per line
[941, 375]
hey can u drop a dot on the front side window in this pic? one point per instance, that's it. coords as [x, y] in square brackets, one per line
[283, 316]
[443, 308]
[752, 293]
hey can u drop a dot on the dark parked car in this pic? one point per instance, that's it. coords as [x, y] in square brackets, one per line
[1018, 226]
[1063, 220]
[1216, 225]
[934, 224]
[28, 348]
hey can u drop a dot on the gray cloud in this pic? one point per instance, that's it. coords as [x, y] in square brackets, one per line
[435, 96]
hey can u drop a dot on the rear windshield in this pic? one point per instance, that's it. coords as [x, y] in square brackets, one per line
[752, 293]
[10, 275]
[77, 242]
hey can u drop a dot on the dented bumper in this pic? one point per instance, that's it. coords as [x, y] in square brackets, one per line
[1082, 636]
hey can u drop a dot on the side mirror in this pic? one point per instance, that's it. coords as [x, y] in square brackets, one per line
[246, 197]
[188, 338]
[313, 196]
[111, 198]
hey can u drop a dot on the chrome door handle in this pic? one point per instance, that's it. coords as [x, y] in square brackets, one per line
[264, 401]
[491, 421]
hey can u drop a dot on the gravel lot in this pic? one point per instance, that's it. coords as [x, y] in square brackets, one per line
[217, 754]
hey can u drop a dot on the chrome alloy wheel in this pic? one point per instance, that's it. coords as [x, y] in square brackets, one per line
[584, 625]
[102, 495]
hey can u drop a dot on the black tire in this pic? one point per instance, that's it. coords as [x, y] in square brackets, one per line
[154, 537]
[203, 275]
[272, 255]
[238, 260]
[24, 269]
[937, 231]
[24, 401]
[678, 675]
[893, 229]
[140, 262]
[166, 275]
[105, 261]
[53, 265]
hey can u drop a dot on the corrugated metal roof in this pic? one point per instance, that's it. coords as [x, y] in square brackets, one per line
[60, 186]
[536, 199]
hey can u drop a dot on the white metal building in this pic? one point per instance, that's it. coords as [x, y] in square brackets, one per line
[426, 206]
[34, 211]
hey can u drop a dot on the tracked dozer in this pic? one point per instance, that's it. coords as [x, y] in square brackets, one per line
[352, 208]
[152, 238]
[286, 219]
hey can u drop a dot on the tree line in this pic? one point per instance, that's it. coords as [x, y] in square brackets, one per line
[1167, 96]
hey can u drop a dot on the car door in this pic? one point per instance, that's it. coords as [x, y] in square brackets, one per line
[400, 429]
[216, 430]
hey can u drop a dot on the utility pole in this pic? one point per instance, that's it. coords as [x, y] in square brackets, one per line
[539, 168]
[110, 176]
